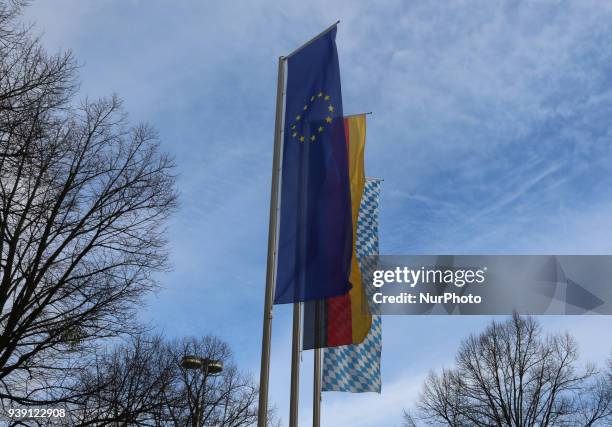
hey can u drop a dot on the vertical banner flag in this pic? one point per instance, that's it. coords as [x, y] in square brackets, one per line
[315, 232]
[356, 368]
[344, 319]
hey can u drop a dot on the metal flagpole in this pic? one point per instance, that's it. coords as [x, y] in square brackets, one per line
[295, 365]
[316, 397]
[316, 385]
[264, 376]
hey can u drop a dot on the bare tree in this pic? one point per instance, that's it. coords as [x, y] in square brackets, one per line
[125, 385]
[225, 400]
[512, 375]
[83, 202]
[143, 383]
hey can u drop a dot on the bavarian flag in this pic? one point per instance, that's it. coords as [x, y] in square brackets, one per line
[356, 368]
[316, 230]
[344, 319]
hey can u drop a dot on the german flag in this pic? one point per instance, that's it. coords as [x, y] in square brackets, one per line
[344, 319]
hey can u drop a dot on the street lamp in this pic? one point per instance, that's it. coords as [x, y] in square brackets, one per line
[209, 366]
[206, 365]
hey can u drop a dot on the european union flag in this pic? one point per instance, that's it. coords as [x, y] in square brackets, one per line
[315, 235]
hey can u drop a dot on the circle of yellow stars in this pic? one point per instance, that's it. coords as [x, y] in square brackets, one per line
[295, 131]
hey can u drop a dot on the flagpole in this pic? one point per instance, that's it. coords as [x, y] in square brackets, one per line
[316, 398]
[264, 375]
[295, 365]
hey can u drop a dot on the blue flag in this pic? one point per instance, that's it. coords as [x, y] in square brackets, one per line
[315, 235]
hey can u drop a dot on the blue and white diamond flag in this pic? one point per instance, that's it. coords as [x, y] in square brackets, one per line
[356, 368]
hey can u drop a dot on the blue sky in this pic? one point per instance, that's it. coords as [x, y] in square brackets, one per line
[491, 126]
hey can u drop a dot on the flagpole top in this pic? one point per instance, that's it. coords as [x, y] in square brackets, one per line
[358, 114]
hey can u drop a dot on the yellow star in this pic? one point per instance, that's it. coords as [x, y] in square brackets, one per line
[328, 119]
[312, 98]
[301, 139]
[294, 134]
[321, 128]
[298, 117]
[331, 108]
[305, 107]
[312, 138]
[326, 97]
[320, 94]
[293, 127]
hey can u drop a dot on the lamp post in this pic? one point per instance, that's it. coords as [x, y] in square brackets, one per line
[208, 367]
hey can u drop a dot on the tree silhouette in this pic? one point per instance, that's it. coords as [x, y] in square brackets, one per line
[513, 375]
[83, 202]
[142, 383]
